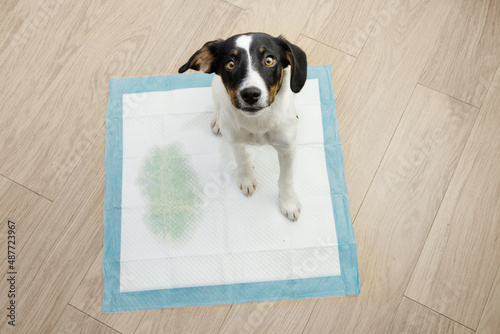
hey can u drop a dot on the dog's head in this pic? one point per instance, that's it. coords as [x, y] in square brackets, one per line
[251, 67]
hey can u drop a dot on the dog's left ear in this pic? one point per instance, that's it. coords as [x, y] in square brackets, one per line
[298, 60]
[203, 59]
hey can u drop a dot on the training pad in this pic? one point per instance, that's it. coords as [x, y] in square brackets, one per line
[178, 230]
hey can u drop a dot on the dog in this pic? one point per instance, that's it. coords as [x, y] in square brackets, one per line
[257, 76]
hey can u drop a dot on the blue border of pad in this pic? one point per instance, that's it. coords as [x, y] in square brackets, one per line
[115, 301]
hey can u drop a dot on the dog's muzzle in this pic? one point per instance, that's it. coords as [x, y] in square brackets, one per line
[250, 99]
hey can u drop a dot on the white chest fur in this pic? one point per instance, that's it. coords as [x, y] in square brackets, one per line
[272, 125]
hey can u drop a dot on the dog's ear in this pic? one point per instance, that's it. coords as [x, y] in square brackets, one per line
[298, 60]
[203, 59]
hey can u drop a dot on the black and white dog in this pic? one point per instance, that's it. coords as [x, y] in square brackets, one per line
[257, 76]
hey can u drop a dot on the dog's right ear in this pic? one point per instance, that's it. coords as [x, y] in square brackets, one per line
[203, 59]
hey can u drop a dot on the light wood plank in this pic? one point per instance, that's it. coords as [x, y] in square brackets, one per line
[243, 4]
[459, 262]
[201, 319]
[188, 33]
[286, 18]
[16, 16]
[490, 321]
[379, 87]
[30, 77]
[25, 209]
[467, 54]
[415, 318]
[74, 321]
[346, 25]
[117, 48]
[321, 54]
[289, 316]
[21, 206]
[62, 247]
[398, 212]
[88, 299]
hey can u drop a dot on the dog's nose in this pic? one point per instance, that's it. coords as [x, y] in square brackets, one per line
[250, 95]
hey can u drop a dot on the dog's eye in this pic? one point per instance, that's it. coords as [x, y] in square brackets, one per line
[269, 61]
[230, 65]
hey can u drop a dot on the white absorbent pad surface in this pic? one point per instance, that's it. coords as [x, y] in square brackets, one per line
[178, 230]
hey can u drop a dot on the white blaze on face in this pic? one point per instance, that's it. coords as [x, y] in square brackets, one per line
[253, 77]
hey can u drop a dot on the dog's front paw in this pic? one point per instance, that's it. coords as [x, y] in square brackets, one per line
[247, 185]
[290, 206]
[215, 127]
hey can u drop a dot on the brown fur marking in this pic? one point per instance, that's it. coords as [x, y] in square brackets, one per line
[289, 56]
[273, 90]
[232, 94]
[203, 60]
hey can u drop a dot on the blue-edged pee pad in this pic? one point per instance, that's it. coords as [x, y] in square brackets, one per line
[177, 229]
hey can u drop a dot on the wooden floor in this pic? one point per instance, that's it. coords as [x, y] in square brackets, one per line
[418, 102]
